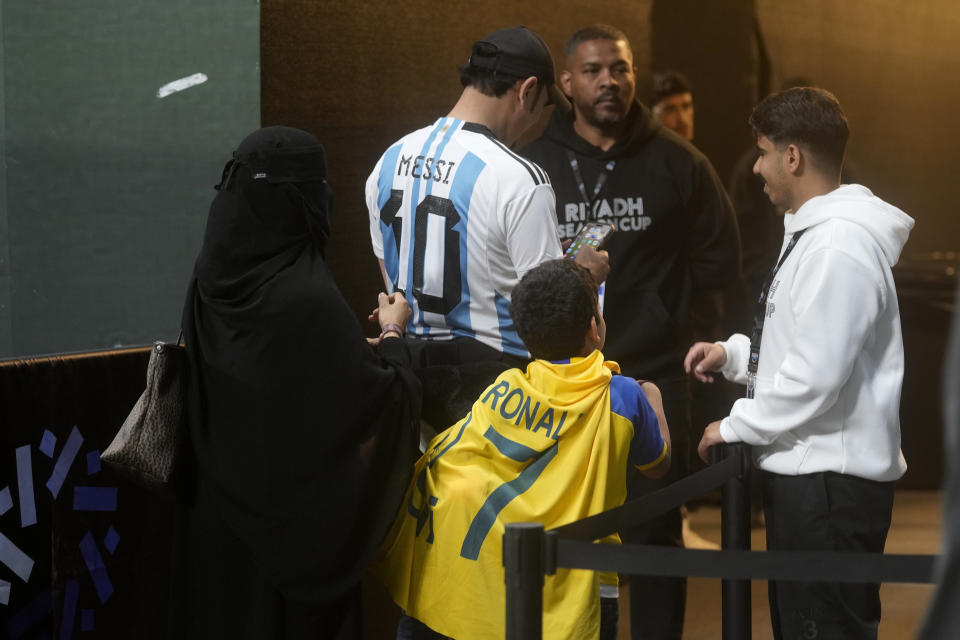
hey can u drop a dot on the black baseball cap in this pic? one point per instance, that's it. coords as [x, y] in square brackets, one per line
[518, 53]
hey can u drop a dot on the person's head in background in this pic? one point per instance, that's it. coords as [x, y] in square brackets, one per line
[600, 79]
[554, 309]
[673, 102]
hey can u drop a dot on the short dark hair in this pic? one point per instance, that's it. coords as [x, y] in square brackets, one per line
[594, 32]
[551, 308]
[667, 83]
[808, 117]
[485, 81]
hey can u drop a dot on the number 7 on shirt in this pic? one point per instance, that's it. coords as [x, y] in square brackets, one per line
[500, 497]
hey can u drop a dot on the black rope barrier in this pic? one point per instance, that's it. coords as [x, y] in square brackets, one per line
[530, 553]
[652, 505]
[799, 566]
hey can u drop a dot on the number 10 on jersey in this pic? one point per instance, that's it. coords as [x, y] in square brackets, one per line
[436, 283]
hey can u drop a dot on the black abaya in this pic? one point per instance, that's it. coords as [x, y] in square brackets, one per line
[302, 435]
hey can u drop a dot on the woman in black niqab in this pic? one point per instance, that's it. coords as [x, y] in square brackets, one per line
[303, 436]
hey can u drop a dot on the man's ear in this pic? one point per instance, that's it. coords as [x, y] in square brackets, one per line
[794, 159]
[565, 81]
[527, 93]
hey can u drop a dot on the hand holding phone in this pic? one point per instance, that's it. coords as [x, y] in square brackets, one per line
[594, 234]
[587, 247]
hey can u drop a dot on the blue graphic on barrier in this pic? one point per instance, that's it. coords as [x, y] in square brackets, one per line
[98, 572]
[70, 595]
[62, 466]
[38, 609]
[48, 443]
[31, 617]
[17, 561]
[94, 498]
[86, 620]
[6, 500]
[93, 462]
[28, 507]
[112, 540]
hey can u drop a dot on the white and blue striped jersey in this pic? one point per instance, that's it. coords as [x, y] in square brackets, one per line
[458, 219]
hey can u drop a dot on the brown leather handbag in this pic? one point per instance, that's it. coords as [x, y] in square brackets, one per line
[147, 449]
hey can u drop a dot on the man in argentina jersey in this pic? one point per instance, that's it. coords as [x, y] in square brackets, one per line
[551, 444]
[456, 218]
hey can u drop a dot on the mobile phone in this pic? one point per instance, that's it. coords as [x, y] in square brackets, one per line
[594, 234]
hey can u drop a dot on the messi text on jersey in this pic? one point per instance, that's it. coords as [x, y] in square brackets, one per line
[426, 168]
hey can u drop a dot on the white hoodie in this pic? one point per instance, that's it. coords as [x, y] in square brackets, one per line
[831, 356]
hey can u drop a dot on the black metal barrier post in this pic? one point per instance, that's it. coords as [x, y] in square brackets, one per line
[735, 534]
[523, 564]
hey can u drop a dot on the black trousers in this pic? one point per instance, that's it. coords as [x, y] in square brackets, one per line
[825, 512]
[454, 373]
[657, 604]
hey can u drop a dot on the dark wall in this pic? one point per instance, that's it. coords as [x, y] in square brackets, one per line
[714, 45]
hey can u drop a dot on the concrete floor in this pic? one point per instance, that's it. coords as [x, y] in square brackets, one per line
[915, 529]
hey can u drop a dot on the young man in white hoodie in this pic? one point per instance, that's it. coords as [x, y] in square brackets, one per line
[823, 368]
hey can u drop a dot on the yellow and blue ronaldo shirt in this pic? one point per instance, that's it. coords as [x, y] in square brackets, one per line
[550, 445]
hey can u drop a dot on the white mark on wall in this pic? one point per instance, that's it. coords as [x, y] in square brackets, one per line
[181, 84]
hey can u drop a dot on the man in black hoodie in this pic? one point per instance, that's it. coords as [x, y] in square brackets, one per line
[676, 239]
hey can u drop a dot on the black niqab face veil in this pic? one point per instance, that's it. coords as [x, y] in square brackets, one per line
[299, 429]
[273, 203]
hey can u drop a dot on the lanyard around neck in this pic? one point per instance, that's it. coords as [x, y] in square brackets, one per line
[601, 180]
[761, 315]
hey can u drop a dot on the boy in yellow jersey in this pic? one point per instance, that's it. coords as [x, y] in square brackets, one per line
[551, 444]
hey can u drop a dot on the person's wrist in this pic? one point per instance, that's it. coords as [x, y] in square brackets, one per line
[389, 328]
[724, 356]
